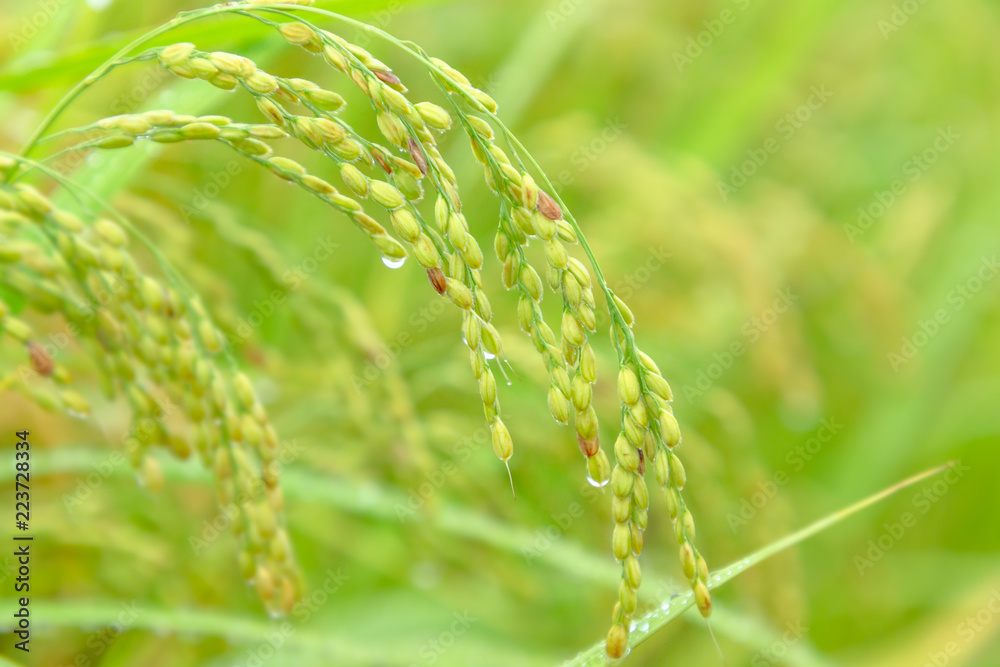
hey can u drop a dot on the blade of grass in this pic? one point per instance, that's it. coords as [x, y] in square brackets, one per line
[300, 645]
[97, 614]
[371, 500]
[672, 608]
[907, 413]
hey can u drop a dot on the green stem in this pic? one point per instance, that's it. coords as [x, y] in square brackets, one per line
[107, 66]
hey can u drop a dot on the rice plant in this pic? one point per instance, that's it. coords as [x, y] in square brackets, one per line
[158, 346]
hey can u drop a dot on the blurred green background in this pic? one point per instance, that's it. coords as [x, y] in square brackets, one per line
[799, 202]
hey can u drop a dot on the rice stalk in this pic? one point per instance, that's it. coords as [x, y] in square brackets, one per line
[161, 344]
[160, 351]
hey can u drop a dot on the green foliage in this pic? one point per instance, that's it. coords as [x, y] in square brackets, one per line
[819, 346]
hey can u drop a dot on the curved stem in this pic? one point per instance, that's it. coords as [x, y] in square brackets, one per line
[282, 9]
[75, 148]
[108, 65]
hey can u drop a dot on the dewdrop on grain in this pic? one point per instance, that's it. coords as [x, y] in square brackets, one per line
[599, 470]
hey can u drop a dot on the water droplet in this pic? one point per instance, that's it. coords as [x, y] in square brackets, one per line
[393, 263]
[77, 415]
[489, 355]
[593, 482]
[275, 612]
[644, 627]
